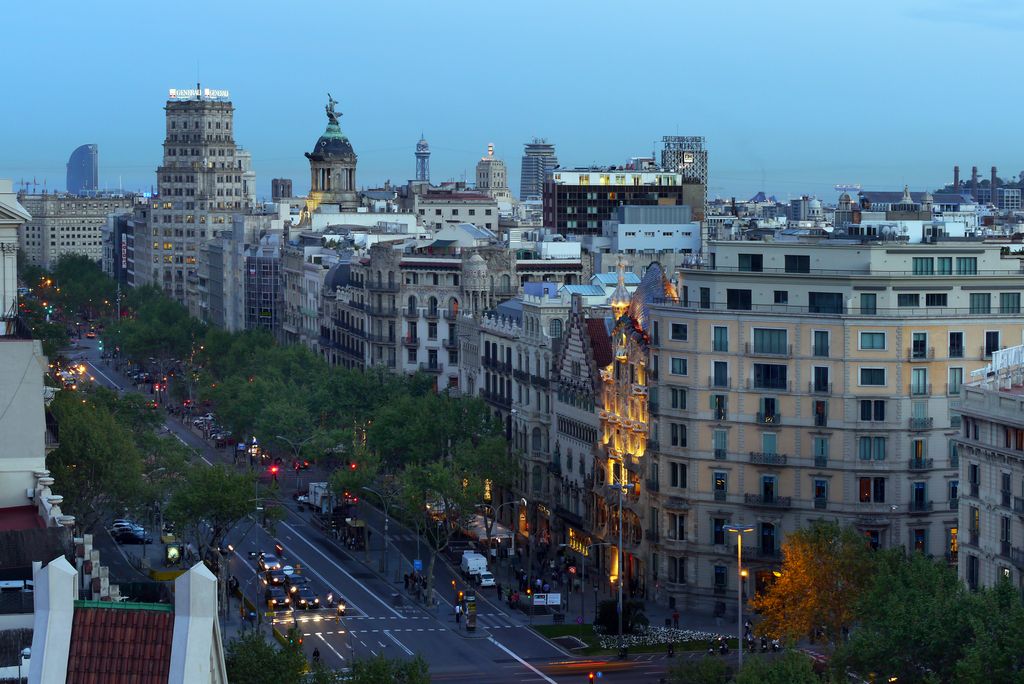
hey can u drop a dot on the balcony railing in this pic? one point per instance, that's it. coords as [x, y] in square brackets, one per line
[496, 398]
[719, 590]
[433, 314]
[973, 537]
[411, 313]
[821, 461]
[768, 501]
[759, 551]
[450, 343]
[544, 383]
[920, 464]
[411, 341]
[917, 390]
[1018, 505]
[555, 467]
[764, 458]
[720, 454]
[973, 488]
[821, 420]
[819, 351]
[921, 423]
[521, 375]
[381, 310]
[720, 495]
[954, 503]
[920, 506]
[769, 418]
[771, 386]
[1004, 548]
[921, 353]
[819, 387]
[724, 383]
[451, 315]
[754, 350]
[431, 367]
[820, 502]
[1017, 557]
[381, 339]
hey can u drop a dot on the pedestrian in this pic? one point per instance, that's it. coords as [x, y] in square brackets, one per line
[458, 612]
[497, 588]
[675, 619]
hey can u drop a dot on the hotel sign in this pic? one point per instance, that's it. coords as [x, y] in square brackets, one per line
[190, 93]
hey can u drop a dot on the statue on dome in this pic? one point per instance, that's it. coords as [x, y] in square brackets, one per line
[332, 115]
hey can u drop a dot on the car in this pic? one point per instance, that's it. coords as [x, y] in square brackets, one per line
[277, 598]
[485, 579]
[127, 526]
[91, 335]
[275, 578]
[269, 561]
[305, 599]
[296, 581]
[132, 537]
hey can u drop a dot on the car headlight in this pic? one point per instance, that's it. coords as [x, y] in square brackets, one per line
[287, 600]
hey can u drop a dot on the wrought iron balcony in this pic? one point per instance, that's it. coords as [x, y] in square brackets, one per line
[723, 383]
[411, 313]
[754, 350]
[920, 390]
[451, 343]
[382, 287]
[433, 314]
[411, 341]
[431, 367]
[921, 353]
[821, 461]
[921, 423]
[720, 495]
[451, 315]
[555, 467]
[521, 375]
[954, 503]
[820, 502]
[769, 418]
[819, 387]
[820, 419]
[919, 506]
[920, 464]
[764, 458]
[721, 454]
[381, 310]
[768, 501]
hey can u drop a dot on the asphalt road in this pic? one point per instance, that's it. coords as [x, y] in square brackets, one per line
[381, 617]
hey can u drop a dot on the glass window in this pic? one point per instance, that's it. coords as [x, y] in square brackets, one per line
[821, 490]
[821, 445]
[868, 303]
[677, 473]
[919, 381]
[678, 366]
[705, 297]
[769, 376]
[720, 439]
[991, 342]
[956, 345]
[677, 396]
[678, 433]
[908, 300]
[825, 302]
[737, 300]
[936, 299]
[872, 340]
[872, 376]
[798, 263]
[720, 342]
[923, 265]
[769, 341]
[945, 265]
[966, 265]
[721, 481]
[718, 531]
[679, 332]
[981, 302]
[1009, 302]
[956, 378]
[781, 297]
[820, 345]
[751, 262]
[769, 442]
[721, 374]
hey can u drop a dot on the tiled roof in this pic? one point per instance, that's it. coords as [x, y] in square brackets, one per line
[600, 341]
[120, 644]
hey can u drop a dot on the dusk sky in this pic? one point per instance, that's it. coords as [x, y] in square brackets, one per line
[793, 97]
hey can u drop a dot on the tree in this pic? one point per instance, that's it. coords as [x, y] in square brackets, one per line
[706, 670]
[994, 648]
[97, 464]
[381, 670]
[824, 570]
[792, 667]
[911, 620]
[251, 659]
[209, 502]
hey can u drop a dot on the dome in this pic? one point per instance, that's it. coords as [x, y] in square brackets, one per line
[337, 276]
[476, 264]
[332, 145]
[815, 204]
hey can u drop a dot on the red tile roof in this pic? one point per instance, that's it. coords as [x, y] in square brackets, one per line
[600, 341]
[120, 645]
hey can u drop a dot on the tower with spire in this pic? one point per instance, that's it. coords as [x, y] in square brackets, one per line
[423, 160]
[620, 297]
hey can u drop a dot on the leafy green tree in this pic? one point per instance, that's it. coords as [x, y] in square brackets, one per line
[792, 667]
[911, 619]
[84, 288]
[209, 502]
[97, 463]
[251, 659]
[707, 670]
[994, 649]
[381, 670]
[824, 571]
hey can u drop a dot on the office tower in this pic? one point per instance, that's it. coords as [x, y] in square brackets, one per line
[538, 160]
[83, 170]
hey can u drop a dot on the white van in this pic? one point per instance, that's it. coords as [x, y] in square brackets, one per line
[472, 564]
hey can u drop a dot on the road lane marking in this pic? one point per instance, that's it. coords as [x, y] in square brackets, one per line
[97, 369]
[400, 644]
[522, 662]
[189, 446]
[343, 570]
[328, 644]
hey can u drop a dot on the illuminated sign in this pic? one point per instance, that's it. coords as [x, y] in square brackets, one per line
[124, 255]
[189, 93]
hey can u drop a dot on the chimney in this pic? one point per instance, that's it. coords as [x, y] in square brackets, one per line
[974, 183]
[992, 186]
[956, 179]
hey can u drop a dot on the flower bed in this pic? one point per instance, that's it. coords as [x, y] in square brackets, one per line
[654, 636]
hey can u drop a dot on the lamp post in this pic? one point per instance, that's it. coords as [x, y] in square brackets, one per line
[384, 501]
[739, 531]
[496, 510]
[620, 487]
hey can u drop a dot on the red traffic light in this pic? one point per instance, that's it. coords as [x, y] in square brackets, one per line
[273, 469]
[352, 466]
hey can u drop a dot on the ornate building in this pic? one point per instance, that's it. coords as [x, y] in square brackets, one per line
[332, 167]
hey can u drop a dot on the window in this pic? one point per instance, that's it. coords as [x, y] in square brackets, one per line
[798, 263]
[705, 297]
[720, 339]
[956, 345]
[769, 376]
[868, 303]
[936, 299]
[821, 448]
[820, 345]
[721, 374]
[919, 381]
[719, 406]
[678, 366]
[967, 265]
[872, 409]
[991, 342]
[679, 332]
[981, 302]
[956, 378]
[718, 531]
[720, 482]
[821, 383]
[432, 331]
[871, 448]
[676, 570]
[677, 397]
[873, 377]
[677, 475]
[919, 345]
[751, 262]
[781, 297]
[720, 441]
[825, 302]
[872, 340]
[908, 300]
[820, 491]
[945, 265]
[769, 341]
[872, 489]
[678, 433]
[923, 266]
[769, 443]
[1009, 302]
[677, 526]
[737, 300]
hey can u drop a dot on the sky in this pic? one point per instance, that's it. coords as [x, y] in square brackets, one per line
[792, 97]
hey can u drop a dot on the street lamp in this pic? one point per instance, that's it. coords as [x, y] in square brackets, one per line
[384, 501]
[620, 487]
[739, 531]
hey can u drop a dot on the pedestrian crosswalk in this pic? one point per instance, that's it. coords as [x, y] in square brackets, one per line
[421, 623]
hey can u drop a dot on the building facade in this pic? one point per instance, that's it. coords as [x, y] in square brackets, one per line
[83, 177]
[792, 390]
[280, 188]
[67, 224]
[990, 447]
[539, 160]
[492, 177]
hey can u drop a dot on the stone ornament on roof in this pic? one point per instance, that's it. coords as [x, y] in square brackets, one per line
[332, 114]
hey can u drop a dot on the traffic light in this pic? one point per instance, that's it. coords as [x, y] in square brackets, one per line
[590, 676]
[273, 470]
[352, 465]
[461, 595]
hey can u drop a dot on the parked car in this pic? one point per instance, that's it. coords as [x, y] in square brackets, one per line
[486, 579]
[132, 536]
[305, 599]
[277, 598]
[269, 561]
[296, 581]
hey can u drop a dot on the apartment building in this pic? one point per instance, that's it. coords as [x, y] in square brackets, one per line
[990, 446]
[806, 379]
[63, 224]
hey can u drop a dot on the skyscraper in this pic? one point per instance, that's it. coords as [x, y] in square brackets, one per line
[83, 170]
[203, 180]
[538, 160]
[423, 160]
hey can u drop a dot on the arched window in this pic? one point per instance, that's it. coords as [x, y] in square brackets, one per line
[555, 328]
[391, 278]
[536, 441]
[432, 306]
[453, 307]
[536, 484]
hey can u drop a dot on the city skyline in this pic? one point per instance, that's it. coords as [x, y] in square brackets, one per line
[787, 113]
